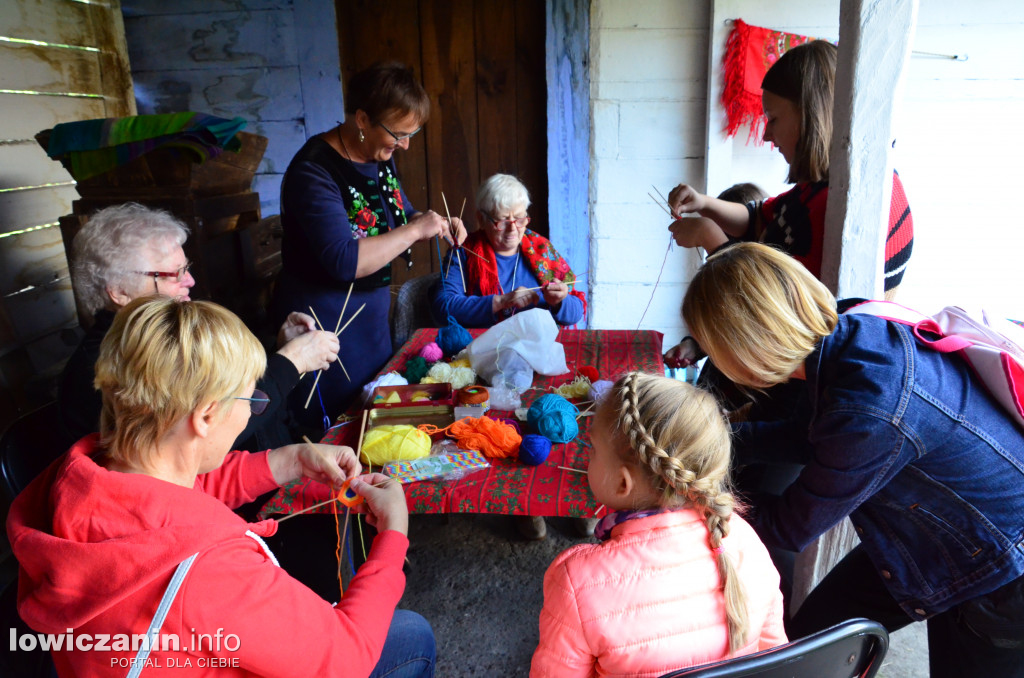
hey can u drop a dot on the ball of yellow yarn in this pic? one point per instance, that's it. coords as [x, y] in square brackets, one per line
[461, 362]
[399, 442]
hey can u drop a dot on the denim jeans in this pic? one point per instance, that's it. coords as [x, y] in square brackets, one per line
[854, 589]
[409, 650]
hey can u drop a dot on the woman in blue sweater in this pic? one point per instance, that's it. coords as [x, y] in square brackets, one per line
[904, 440]
[509, 268]
[345, 219]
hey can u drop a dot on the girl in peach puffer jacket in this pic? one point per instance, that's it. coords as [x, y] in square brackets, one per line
[677, 578]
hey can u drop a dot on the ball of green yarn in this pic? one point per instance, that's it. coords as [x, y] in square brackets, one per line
[415, 370]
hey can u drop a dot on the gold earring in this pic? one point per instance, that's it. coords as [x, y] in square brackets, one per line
[362, 138]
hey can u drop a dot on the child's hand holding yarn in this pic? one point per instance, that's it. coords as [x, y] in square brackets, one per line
[698, 232]
[685, 199]
[385, 506]
[554, 292]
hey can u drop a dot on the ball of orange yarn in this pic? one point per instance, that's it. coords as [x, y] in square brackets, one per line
[493, 438]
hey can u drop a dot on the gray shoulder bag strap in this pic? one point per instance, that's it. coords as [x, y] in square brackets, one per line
[152, 634]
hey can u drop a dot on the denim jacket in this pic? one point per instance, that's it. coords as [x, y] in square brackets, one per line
[909, 444]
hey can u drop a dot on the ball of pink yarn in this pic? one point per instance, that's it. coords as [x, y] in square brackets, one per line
[431, 352]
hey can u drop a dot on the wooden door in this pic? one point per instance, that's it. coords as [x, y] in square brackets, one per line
[482, 63]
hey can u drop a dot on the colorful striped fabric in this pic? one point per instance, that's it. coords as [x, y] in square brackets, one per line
[91, 147]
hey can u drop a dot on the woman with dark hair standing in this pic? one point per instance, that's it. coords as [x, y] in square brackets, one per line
[345, 218]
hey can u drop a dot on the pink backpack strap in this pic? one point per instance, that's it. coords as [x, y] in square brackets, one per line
[920, 322]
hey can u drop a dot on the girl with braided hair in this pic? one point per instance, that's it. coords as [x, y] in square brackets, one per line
[677, 579]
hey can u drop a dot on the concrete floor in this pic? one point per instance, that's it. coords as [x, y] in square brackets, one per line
[481, 587]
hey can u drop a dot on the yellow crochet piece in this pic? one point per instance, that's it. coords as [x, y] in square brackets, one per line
[393, 397]
[578, 388]
[398, 442]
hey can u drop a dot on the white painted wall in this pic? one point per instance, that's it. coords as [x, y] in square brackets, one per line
[958, 149]
[648, 97]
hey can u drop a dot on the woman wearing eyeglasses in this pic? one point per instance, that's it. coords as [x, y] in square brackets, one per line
[132, 529]
[129, 251]
[345, 218]
[508, 267]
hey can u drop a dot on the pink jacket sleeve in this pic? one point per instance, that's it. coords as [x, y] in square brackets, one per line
[563, 650]
[773, 633]
[240, 479]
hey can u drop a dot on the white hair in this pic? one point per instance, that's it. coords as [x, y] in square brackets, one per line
[112, 247]
[501, 192]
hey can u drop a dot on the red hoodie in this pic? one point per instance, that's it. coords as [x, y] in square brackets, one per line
[97, 549]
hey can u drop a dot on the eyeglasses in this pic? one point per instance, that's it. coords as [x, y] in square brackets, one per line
[519, 222]
[177, 275]
[400, 137]
[258, 403]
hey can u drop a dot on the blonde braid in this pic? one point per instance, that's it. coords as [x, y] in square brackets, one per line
[669, 471]
[679, 434]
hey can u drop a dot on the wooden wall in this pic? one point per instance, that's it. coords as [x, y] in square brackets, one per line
[483, 65]
[74, 69]
[272, 62]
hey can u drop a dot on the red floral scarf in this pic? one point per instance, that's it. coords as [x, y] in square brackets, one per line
[749, 53]
[542, 259]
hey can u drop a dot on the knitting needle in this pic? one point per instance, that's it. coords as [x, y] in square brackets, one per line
[658, 203]
[574, 470]
[318, 372]
[462, 274]
[313, 390]
[314, 506]
[318, 323]
[350, 319]
[530, 289]
[323, 503]
[586, 411]
[343, 307]
[460, 246]
[362, 430]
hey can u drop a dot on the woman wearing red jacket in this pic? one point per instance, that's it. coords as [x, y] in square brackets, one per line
[131, 532]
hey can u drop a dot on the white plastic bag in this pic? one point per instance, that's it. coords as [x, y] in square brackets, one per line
[531, 336]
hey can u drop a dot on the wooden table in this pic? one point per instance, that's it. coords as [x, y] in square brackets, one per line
[508, 486]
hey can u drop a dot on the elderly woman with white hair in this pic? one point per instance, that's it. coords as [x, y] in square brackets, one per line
[514, 268]
[131, 532]
[128, 251]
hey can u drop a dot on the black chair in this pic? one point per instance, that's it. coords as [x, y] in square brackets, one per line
[852, 649]
[28, 446]
[412, 308]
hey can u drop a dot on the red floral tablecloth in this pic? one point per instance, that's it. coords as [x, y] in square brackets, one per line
[508, 486]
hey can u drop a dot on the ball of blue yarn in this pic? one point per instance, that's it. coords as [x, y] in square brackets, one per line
[554, 417]
[453, 337]
[534, 449]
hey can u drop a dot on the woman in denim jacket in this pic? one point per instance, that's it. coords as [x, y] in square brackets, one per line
[904, 440]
